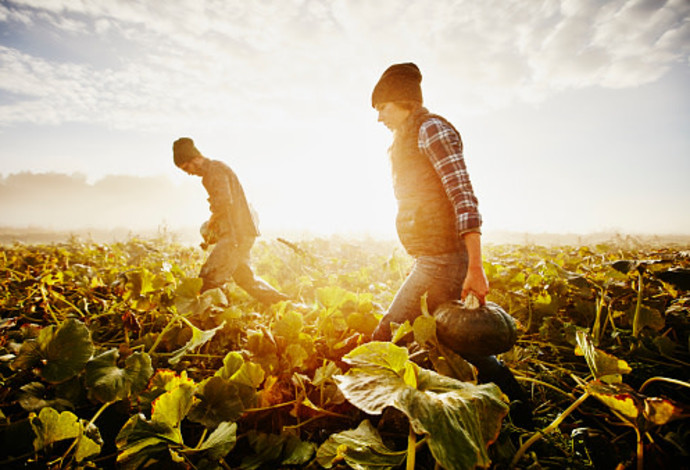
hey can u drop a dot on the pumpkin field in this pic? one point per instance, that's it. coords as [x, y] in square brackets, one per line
[110, 358]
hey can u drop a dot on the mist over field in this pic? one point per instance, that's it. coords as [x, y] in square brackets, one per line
[119, 204]
[50, 207]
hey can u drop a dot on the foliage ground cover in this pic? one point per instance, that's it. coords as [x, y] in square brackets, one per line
[110, 358]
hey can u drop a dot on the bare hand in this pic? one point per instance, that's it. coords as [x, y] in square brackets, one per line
[477, 283]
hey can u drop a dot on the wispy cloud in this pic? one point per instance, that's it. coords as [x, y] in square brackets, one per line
[203, 58]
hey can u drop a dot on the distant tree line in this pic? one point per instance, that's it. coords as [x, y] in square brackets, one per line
[69, 202]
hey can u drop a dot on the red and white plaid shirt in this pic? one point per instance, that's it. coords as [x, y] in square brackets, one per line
[443, 146]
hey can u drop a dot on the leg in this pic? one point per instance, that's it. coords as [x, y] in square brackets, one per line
[245, 278]
[491, 369]
[220, 264]
[440, 276]
[256, 287]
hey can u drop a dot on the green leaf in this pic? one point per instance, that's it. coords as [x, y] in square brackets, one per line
[66, 350]
[52, 426]
[33, 397]
[379, 353]
[143, 442]
[276, 450]
[187, 295]
[297, 451]
[86, 447]
[288, 325]
[360, 448]
[461, 419]
[219, 401]
[221, 441]
[171, 407]
[107, 382]
[231, 364]
[199, 338]
[63, 349]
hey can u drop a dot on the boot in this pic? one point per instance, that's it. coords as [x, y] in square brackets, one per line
[520, 407]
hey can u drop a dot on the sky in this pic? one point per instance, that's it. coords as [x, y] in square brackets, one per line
[575, 114]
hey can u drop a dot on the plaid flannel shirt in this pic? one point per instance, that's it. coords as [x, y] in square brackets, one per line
[441, 143]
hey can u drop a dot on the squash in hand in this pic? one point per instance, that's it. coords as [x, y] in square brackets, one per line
[482, 331]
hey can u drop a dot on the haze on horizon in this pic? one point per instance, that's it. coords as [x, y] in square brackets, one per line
[574, 113]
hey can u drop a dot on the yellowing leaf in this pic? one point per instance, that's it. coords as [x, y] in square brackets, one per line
[603, 366]
[660, 411]
[619, 397]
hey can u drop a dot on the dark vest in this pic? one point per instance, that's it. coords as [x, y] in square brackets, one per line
[426, 221]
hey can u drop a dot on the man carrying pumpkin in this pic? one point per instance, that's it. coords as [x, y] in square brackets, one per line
[438, 221]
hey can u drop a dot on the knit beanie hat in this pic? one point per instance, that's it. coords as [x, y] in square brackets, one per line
[184, 151]
[400, 82]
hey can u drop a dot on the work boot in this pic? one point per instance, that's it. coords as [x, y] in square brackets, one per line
[520, 407]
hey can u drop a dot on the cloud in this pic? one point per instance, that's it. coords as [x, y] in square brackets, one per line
[216, 60]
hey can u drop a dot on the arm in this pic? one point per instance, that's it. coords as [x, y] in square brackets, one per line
[475, 281]
[443, 145]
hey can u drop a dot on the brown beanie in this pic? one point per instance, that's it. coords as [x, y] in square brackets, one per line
[184, 151]
[400, 82]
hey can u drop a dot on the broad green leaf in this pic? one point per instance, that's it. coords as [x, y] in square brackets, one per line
[107, 382]
[461, 423]
[249, 374]
[33, 397]
[371, 389]
[603, 366]
[64, 351]
[461, 419]
[288, 325]
[297, 355]
[218, 401]
[187, 295]
[143, 442]
[276, 450]
[267, 449]
[51, 426]
[199, 338]
[379, 353]
[171, 407]
[221, 441]
[361, 449]
[297, 451]
[86, 447]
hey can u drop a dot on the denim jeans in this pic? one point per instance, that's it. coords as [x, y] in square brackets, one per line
[441, 277]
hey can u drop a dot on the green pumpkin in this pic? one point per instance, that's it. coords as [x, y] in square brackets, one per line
[482, 331]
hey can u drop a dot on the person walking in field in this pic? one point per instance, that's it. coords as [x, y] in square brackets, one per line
[231, 228]
[438, 221]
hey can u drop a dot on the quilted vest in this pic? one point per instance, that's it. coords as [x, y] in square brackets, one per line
[426, 222]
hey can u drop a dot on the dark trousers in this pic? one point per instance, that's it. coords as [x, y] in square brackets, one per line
[230, 261]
